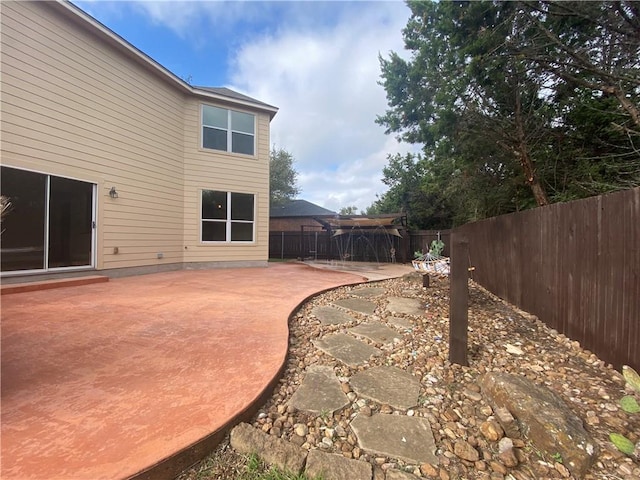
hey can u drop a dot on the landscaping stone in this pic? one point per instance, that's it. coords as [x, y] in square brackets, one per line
[376, 332]
[274, 451]
[400, 322]
[328, 315]
[336, 467]
[357, 305]
[396, 436]
[507, 422]
[320, 391]
[347, 349]
[408, 306]
[393, 474]
[387, 385]
[413, 277]
[428, 470]
[491, 430]
[450, 396]
[368, 292]
[549, 423]
[506, 453]
[465, 451]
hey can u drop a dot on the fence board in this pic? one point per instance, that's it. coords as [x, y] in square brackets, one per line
[575, 265]
[420, 241]
[362, 247]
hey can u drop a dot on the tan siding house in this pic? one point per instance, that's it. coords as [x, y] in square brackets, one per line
[112, 163]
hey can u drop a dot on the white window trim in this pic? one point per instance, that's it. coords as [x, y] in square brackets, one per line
[229, 131]
[228, 222]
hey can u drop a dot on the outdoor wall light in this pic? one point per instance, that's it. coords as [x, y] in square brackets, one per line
[113, 192]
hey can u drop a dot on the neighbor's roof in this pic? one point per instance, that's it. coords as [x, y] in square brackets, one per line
[111, 38]
[300, 208]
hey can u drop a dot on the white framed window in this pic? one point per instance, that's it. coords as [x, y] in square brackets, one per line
[227, 216]
[228, 130]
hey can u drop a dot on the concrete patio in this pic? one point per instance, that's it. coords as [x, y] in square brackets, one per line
[138, 376]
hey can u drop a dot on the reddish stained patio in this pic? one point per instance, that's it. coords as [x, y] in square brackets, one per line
[139, 376]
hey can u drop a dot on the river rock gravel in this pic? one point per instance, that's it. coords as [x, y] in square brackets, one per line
[471, 443]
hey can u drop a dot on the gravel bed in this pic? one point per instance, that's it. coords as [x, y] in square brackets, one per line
[501, 338]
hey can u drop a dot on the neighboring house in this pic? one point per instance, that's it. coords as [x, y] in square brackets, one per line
[295, 230]
[113, 163]
[296, 215]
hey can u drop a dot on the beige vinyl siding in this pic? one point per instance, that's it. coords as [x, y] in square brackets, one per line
[229, 172]
[73, 106]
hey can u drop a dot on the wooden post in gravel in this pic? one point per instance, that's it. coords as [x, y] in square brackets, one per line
[459, 300]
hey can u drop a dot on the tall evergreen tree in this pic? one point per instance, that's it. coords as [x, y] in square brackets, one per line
[517, 104]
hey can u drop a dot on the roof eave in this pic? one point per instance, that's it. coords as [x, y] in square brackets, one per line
[236, 101]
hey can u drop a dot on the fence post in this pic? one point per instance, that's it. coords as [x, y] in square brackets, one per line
[459, 300]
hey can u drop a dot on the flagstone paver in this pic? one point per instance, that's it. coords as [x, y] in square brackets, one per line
[400, 322]
[331, 316]
[376, 332]
[368, 292]
[330, 466]
[357, 304]
[393, 474]
[319, 392]
[389, 385]
[396, 436]
[409, 306]
[346, 349]
[273, 450]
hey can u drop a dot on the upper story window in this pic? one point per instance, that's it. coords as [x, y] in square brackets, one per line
[228, 130]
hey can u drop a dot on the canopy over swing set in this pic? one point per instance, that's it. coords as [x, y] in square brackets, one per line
[376, 233]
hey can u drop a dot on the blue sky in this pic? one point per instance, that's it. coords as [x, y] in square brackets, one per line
[316, 61]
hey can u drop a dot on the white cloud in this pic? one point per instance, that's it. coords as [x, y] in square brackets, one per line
[196, 19]
[318, 62]
[324, 81]
[351, 183]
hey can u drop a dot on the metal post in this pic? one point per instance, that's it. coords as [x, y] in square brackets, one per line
[459, 300]
[302, 242]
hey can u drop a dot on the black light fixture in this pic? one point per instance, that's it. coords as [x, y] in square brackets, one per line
[113, 192]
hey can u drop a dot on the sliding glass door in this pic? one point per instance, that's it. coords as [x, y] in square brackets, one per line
[49, 223]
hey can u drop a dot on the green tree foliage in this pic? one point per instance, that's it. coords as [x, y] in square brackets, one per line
[516, 104]
[350, 210]
[282, 177]
[407, 178]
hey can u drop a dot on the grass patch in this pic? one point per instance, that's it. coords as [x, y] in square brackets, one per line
[256, 470]
[224, 463]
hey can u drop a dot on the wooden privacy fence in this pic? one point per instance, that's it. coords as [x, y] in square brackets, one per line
[319, 245]
[575, 265]
[368, 247]
[420, 241]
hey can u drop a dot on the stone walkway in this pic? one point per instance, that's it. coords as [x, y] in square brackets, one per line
[403, 437]
[372, 396]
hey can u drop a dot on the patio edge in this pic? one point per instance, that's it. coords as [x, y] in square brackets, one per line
[170, 467]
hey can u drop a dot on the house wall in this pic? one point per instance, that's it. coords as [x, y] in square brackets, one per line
[72, 107]
[229, 172]
[77, 107]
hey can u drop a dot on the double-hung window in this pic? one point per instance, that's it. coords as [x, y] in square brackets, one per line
[228, 130]
[227, 216]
